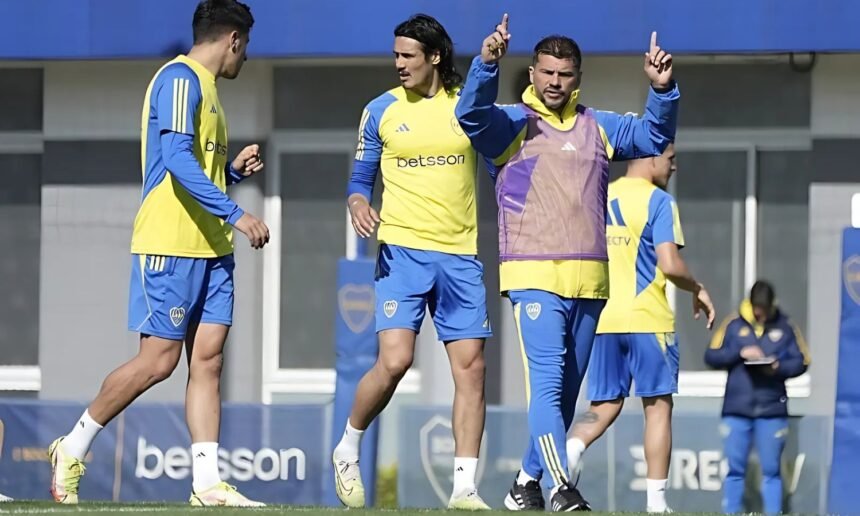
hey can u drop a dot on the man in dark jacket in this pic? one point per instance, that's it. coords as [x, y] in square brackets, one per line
[761, 349]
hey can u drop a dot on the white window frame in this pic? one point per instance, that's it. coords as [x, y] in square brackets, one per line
[278, 380]
[712, 384]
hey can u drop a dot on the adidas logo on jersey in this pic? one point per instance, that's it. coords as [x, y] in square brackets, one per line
[213, 110]
[568, 147]
[403, 128]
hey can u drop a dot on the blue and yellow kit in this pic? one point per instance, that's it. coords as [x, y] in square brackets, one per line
[551, 169]
[182, 245]
[640, 217]
[636, 334]
[428, 233]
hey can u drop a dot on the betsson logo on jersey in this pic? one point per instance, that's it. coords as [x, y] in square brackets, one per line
[216, 147]
[241, 464]
[431, 161]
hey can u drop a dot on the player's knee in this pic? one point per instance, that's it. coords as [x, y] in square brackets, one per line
[209, 367]
[161, 369]
[658, 407]
[737, 464]
[770, 472]
[395, 365]
[769, 468]
[471, 370]
[156, 361]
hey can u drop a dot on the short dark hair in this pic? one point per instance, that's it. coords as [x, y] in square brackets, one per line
[558, 46]
[213, 18]
[762, 295]
[433, 37]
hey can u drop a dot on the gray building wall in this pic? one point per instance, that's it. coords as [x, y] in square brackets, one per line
[89, 200]
[829, 214]
[90, 195]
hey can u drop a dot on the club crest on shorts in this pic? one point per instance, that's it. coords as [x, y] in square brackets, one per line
[533, 310]
[177, 315]
[389, 308]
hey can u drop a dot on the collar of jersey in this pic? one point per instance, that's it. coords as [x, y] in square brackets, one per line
[568, 114]
[197, 67]
[411, 96]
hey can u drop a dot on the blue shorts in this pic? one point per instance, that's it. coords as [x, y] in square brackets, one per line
[169, 293]
[409, 281]
[649, 359]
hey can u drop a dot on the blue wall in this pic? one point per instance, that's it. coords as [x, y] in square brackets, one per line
[272, 453]
[94, 29]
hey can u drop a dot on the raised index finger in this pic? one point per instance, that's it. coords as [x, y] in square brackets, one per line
[653, 41]
[504, 24]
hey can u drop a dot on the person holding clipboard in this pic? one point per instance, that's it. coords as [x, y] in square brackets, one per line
[760, 348]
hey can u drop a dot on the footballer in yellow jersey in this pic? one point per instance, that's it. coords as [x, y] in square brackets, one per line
[635, 335]
[428, 246]
[182, 252]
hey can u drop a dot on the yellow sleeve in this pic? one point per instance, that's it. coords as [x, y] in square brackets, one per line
[801, 345]
[676, 225]
[720, 334]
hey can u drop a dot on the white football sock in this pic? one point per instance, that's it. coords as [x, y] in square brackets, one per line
[465, 469]
[77, 443]
[524, 478]
[656, 494]
[204, 466]
[348, 447]
[575, 449]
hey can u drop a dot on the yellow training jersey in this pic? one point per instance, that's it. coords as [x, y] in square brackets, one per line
[640, 217]
[181, 102]
[428, 171]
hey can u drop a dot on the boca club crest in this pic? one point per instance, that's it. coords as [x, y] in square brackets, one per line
[356, 305]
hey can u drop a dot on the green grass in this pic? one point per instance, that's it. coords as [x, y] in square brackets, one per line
[41, 507]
